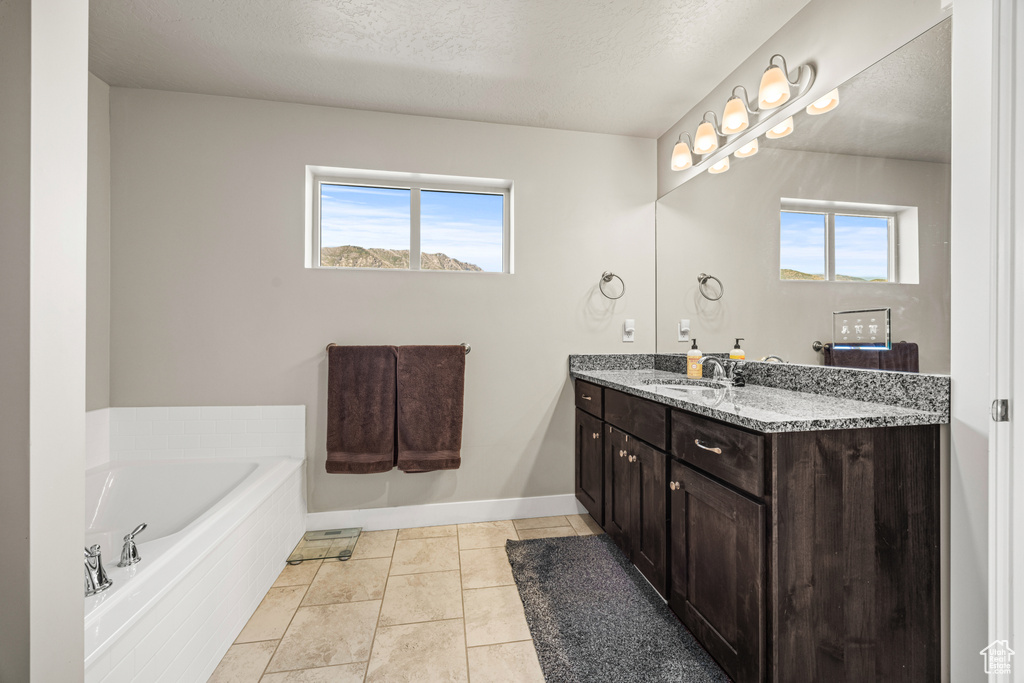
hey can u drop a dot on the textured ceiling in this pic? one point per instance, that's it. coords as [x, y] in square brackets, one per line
[611, 66]
[898, 108]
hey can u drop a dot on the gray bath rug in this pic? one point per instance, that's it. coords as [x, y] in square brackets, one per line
[594, 617]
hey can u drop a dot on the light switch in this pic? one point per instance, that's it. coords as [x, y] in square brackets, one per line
[628, 330]
[684, 330]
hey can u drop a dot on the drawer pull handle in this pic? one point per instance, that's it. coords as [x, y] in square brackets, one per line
[584, 397]
[707, 448]
[673, 486]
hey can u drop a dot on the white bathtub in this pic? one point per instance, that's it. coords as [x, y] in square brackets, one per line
[218, 532]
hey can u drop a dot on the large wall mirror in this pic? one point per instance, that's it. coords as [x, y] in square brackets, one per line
[848, 212]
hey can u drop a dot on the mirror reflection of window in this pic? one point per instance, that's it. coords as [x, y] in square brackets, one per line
[802, 246]
[862, 248]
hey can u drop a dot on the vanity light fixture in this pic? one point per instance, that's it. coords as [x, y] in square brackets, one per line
[747, 150]
[735, 117]
[775, 84]
[682, 159]
[781, 130]
[706, 139]
[825, 104]
[721, 167]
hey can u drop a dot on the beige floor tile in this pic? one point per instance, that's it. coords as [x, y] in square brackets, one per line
[349, 581]
[417, 556]
[327, 635]
[434, 651]
[505, 663]
[412, 598]
[271, 618]
[540, 522]
[347, 673]
[525, 534]
[297, 574]
[494, 615]
[485, 567]
[486, 534]
[585, 525]
[375, 544]
[427, 532]
[243, 663]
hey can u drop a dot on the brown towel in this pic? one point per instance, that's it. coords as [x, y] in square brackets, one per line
[361, 391]
[903, 357]
[431, 380]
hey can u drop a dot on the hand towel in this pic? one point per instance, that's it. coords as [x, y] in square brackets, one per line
[361, 394]
[431, 382]
[902, 357]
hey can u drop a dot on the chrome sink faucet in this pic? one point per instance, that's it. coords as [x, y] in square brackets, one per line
[130, 552]
[729, 370]
[719, 371]
[96, 580]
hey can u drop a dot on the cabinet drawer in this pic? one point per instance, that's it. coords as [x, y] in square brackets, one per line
[732, 455]
[643, 419]
[588, 397]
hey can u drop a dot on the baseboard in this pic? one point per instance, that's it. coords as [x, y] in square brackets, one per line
[434, 514]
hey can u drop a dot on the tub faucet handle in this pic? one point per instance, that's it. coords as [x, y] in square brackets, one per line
[130, 553]
[96, 580]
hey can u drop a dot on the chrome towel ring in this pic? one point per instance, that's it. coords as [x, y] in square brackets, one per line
[607, 276]
[702, 281]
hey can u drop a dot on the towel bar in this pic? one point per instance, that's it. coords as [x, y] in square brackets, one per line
[463, 344]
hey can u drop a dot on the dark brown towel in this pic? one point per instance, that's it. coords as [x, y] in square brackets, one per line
[903, 357]
[431, 381]
[361, 391]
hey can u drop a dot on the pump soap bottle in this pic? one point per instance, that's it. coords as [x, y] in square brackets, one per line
[693, 367]
[737, 353]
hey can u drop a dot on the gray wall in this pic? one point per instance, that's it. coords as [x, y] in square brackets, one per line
[97, 341]
[728, 225]
[43, 170]
[211, 303]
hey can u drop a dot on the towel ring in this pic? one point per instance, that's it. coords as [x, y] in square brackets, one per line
[702, 281]
[607, 276]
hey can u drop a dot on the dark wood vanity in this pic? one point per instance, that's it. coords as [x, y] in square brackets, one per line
[791, 556]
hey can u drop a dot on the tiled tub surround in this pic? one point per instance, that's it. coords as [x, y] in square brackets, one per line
[781, 397]
[174, 615]
[425, 604]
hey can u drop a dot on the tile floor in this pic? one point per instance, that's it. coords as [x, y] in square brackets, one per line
[428, 604]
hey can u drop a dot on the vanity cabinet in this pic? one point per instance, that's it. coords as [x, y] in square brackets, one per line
[590, 464]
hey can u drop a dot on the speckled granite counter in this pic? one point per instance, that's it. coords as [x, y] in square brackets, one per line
[915, 399]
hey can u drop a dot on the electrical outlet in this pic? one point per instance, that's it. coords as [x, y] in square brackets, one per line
[684, 330]
[628, 330]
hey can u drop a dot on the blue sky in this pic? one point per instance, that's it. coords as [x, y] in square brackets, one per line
[862, 244]
[465, 226]
[803, 242]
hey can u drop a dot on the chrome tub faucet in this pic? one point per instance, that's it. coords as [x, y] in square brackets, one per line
[130, 553]
[96, 580]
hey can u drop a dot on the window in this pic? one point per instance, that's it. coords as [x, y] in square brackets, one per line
[851, 243]
[392, 221]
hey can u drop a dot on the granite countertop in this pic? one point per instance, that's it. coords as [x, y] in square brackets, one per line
[761, 408]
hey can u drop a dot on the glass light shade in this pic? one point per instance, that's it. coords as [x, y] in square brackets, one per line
[774, 90]
[681, 157]
[734, 118]
[781, 130]
[747, 150]
[706, 139]
[721, 167]
[825, 104]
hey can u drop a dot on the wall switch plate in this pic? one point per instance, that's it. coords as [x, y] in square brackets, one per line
[628, 330]
[684, 330]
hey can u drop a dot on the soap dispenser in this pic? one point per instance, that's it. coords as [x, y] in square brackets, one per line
[737, 353]
[693, 367]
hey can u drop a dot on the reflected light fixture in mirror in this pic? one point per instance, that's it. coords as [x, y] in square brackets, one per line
[681, 157]
[706, 139]
[721, 167]
[747, 150]
[825, 104]
[781, 130]
[734, 118]
[774, 90]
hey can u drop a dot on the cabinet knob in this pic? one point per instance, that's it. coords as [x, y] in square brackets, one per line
[632, 458]
[707, 448]
[622, 453]
[673, 486]
[597, 434]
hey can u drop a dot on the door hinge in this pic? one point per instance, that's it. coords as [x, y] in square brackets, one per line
[1001, 410]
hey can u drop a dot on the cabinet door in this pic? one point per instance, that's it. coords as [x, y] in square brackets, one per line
[718, 570]
[590, 464]
[648, 532]
[617, 487]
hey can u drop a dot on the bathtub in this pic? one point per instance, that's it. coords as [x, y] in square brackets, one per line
[219, 530]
